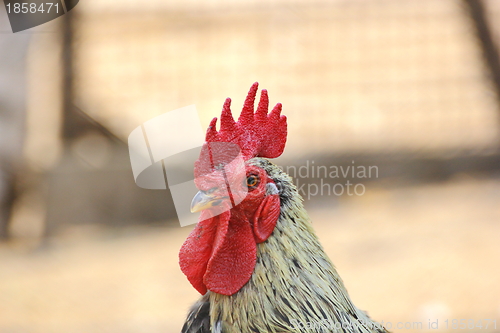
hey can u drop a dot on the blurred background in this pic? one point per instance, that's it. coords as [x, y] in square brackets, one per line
[411, 87]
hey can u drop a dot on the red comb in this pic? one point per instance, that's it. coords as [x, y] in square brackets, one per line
[257, 134]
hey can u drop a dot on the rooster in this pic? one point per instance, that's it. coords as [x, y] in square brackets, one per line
[254, 255]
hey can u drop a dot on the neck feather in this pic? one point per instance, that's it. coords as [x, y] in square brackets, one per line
[294, 284]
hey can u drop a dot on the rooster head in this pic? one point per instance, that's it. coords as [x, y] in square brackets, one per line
[238, 200]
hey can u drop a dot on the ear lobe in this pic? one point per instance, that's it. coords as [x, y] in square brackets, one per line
[265, 218]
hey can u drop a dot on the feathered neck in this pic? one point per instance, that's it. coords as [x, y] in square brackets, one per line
[293, 283]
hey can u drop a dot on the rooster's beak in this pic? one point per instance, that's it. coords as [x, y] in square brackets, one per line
[202, 201]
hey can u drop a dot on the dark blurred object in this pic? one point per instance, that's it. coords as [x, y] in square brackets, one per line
[477, 12]
[7, 198]
[13, 50]
[93, 184]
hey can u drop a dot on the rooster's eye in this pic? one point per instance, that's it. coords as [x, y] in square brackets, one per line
[252, 181]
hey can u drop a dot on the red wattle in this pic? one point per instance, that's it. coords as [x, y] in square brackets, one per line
[220, 253]
[233, 258]
[197, 249]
